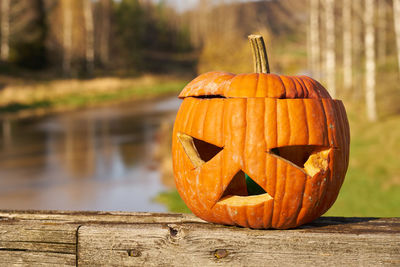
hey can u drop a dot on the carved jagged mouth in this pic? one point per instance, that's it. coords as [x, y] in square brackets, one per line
[242, 190]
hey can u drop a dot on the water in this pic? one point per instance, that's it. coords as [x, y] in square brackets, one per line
[106, 158]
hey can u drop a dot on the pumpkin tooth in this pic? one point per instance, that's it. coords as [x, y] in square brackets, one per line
[317, 162]
[310, 159]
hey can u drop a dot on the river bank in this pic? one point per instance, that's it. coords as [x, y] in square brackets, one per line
[26, 98]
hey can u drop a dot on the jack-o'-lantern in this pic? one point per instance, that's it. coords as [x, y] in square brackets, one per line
[259, 150]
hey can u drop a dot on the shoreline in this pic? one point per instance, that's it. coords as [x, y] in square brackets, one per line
[44, 98]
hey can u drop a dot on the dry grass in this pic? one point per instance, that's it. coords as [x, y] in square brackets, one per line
[29, 91]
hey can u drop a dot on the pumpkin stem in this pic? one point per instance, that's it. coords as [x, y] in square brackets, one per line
[260, 57]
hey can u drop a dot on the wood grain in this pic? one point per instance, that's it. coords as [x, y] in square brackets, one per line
[37, 243]
[97, 216]
[54, 238]
[209, 245]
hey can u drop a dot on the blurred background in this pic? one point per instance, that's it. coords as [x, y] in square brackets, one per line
[88, 92]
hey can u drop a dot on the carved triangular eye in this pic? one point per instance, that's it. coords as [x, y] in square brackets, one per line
[206, 150]
[310, 158]
[197, 150]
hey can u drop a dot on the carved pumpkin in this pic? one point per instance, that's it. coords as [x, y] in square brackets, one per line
[259, 150]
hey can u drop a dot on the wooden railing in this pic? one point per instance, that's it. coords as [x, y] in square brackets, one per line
[135, 239]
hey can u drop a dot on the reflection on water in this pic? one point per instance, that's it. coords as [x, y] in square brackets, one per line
[108, 158]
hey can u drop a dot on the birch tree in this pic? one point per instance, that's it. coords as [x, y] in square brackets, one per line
[67, 36]
[89, 45]
[5, 29]
[314, 38]
[369, 40]
[330, 63]
[347, 53]
[381, 38]
[357, 43]
[396, 17]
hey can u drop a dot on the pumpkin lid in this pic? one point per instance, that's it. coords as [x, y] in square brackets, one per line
[224, 84]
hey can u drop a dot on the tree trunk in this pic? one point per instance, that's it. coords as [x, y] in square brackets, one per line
[357, 43]
[396, 16]
[382, 31]
[347, 53]
[5, 29]
[314, 39]
[67, 36]
[89, 51]
[369, 39]
[105, 32]
[330, 47]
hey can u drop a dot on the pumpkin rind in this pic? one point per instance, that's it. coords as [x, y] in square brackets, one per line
[254, 85]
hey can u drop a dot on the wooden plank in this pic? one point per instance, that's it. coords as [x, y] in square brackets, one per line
[98, 217]
[34, 258]
[131, 239]
[330, 241]
[37, 243]
[49, 237]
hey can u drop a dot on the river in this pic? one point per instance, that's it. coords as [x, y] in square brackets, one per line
[105, 158]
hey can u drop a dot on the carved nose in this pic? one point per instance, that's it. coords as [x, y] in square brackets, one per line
[242, 185]
[243, 191]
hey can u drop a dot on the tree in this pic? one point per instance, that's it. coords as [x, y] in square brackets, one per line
[314, 38]
[369, 39]
[357, 43]
[5, 29]
[347, 53]
[131, 29]
[28, 34]
[381, 38]
[89, 28]
[67, 36]
[396, 18]
[105, 31]
[330, 62]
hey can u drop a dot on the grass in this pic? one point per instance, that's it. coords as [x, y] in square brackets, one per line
[172, 201]
[372, 183]
[79, 100]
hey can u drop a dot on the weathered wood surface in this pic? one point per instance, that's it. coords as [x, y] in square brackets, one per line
[136, 239]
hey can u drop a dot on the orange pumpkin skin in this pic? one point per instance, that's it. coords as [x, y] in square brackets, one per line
[253, 115]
